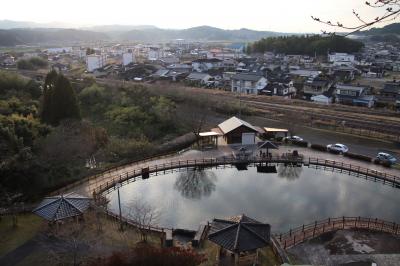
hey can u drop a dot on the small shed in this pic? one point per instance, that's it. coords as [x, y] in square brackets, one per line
[240, 236]
[208, 139]
[272, 133]
[237, 131]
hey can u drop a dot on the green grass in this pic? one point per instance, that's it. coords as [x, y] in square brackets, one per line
[11, 238]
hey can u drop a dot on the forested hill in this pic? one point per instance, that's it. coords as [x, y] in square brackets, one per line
[389, 29]
[13, 37]
[305, 45]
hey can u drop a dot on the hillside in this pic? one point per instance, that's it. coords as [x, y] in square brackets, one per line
[202, 33]
[388, 29]
[13, 37]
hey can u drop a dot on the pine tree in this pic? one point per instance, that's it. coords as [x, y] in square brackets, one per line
[59, 101]
[48, 88]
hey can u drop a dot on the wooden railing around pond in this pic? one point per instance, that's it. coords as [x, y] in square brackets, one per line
[305, 232]
[133, 175]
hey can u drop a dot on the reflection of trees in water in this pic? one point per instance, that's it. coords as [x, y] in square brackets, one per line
[290, 172]
[194, 184]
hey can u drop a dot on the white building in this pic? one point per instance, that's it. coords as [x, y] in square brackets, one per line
[94, 62]
[341, 59]
[248, 83]
[128, 58]
[203, 65]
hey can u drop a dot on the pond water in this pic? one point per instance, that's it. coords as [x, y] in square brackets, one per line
[287, 199]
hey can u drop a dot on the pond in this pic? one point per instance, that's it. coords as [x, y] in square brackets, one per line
[286, 199]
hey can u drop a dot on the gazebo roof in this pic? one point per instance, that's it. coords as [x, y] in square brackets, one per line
[239, 233]
[63, 206]
[267, 145]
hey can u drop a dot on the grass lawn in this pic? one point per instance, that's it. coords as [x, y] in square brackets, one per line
[11, 238]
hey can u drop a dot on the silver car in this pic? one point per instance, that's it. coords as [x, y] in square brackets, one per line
[339, 148]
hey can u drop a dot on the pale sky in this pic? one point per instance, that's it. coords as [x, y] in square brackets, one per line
[274, 15]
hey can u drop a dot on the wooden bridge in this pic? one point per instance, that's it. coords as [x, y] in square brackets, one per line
[306, 232]
[328, 165]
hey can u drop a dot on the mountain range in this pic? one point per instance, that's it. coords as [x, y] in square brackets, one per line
[19, 32]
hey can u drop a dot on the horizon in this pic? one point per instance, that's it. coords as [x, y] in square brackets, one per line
[267, 16]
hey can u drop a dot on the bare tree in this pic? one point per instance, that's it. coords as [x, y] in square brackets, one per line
[195, 184]
[144, 215]
[390, 10]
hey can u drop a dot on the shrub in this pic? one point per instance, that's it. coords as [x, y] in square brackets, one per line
[300, 143]
[151, 256]
[318, 147]
[358, 157]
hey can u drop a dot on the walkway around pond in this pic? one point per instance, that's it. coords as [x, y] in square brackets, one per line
[144, 173]
[313, 230]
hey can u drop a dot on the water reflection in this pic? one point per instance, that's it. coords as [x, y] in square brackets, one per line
[195, 184]
[286, 199]
[290, 172]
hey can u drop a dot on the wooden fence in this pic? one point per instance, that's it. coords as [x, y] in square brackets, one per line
[305, 232]
[355, 170]
[359, 171]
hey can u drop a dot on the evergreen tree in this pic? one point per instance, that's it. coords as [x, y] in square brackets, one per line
[59, 100]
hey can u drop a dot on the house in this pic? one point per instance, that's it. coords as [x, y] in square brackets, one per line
[198, 78]
[237, 131]
[248, 83]
[354, 95]
[279, 89]
[324, 98]
[316, 86]
[182, 68]
[341, 59]
[94, 62]
[390, 93]
[206, 64]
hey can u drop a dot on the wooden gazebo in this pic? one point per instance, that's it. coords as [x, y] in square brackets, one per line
[239, 236]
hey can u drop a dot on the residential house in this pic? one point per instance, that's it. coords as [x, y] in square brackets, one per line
[390, 93]
[198, 78]
[206, 64]
[183, 68]
[316, 86]
[354, 95]
[341, 59]
[248, 83]
[286, 90]
[324, 98]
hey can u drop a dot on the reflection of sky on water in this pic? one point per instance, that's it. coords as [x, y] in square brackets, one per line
[282, 202]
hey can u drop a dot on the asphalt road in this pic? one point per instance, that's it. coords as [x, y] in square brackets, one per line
[356, 144]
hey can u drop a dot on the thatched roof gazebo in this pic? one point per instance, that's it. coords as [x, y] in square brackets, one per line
[239, 235]
[63, 206]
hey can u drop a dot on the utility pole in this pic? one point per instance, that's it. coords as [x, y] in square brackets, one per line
[118, 185]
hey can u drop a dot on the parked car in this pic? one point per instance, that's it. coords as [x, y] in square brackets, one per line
[293, 138]
[386, 158]
[339, 148]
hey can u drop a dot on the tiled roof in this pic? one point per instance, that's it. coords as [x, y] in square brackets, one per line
[61, 207]
[239, 233]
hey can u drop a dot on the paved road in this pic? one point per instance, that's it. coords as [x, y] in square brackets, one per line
[356, 144]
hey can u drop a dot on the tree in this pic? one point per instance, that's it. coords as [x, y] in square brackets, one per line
[196, 183]
[390, 11]
[59, 100]
[144, 215]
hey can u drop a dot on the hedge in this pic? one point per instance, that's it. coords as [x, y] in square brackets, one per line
[300, 143]
[318, 147]
[358, 156]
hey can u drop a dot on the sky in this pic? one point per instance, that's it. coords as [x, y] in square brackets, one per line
[274, 15]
